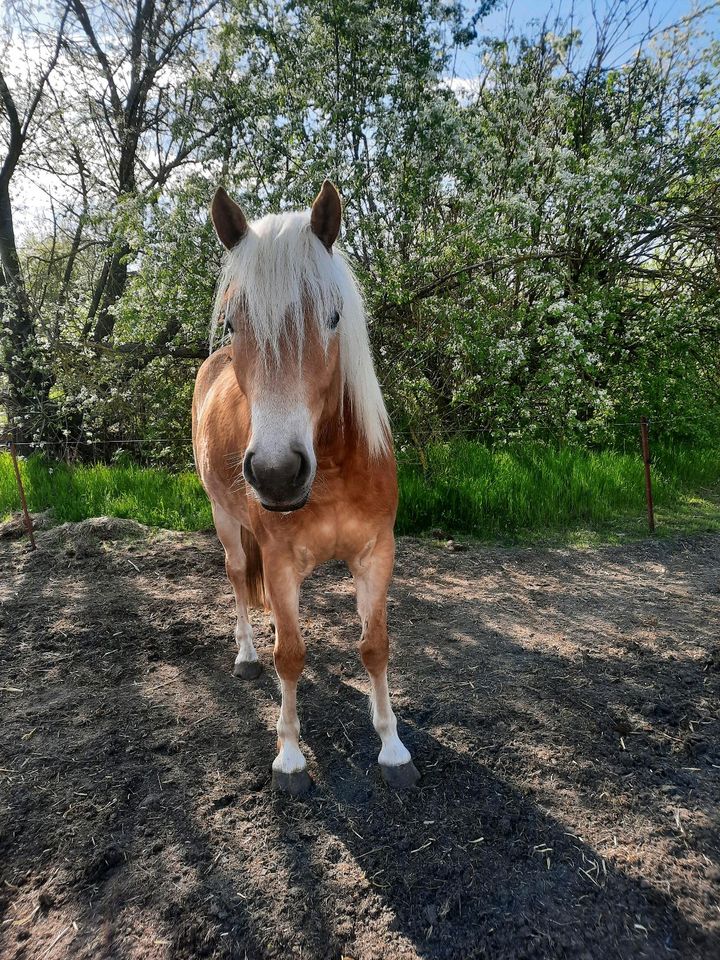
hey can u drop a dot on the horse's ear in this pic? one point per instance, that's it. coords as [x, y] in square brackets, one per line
[325, 215]
[228, 219]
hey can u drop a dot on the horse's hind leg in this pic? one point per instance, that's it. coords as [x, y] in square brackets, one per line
[372, 572]
[247, 666]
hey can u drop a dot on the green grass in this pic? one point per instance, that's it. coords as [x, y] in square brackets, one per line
[525, 493]
[155, 497]
[533, 491]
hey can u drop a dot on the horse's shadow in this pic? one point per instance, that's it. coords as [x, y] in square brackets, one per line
[467, 864]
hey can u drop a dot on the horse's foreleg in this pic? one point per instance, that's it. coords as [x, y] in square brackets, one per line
[372, 578]
[247, 666]
[289, 771]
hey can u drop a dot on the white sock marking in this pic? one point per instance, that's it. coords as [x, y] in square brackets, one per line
[393, 752]
[244, 640]
[290, 758]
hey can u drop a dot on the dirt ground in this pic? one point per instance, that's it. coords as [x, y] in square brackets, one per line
[562, 707]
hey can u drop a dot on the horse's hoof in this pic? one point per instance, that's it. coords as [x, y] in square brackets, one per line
[402, 777]
[247, 669]
[296, 784]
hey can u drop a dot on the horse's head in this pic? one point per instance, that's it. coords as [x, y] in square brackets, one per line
[282, 296]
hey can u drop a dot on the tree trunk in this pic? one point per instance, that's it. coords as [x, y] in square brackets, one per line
[29, 380]
[113, 285]
[113, 280]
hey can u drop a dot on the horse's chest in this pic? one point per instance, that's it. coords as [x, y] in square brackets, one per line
[341, 521]
[343, 525]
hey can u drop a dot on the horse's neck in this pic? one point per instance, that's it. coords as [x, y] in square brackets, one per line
[338, 441]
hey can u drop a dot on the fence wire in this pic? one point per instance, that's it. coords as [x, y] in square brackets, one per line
[527, 431]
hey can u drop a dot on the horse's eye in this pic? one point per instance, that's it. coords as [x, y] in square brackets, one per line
[229, 325]
[334, 320]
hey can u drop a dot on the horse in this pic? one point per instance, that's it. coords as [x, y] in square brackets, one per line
[292, 444]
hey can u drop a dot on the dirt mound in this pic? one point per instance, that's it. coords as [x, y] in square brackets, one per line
[96, 528]
[14, 526]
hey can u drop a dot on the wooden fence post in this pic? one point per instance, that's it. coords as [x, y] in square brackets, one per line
[21, 490]
[645, 443]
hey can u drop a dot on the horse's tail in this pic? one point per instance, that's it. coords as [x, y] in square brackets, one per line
[254, 579]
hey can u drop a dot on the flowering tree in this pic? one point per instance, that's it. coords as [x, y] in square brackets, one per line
[538, 245]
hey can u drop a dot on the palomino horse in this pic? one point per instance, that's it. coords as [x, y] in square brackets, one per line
[293, 447]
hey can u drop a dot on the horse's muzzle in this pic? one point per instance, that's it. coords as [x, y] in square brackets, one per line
[282, 484]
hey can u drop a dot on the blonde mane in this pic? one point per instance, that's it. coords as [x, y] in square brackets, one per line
[276, 270]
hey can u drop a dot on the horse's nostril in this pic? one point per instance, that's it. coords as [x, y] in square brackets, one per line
[303, 470]
[303, 467]
[248, 472]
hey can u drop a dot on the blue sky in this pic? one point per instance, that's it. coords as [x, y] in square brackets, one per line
[661, 13]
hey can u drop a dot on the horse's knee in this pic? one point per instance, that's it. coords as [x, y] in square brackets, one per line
[289, 659]
[374, 651]
[235, 570]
